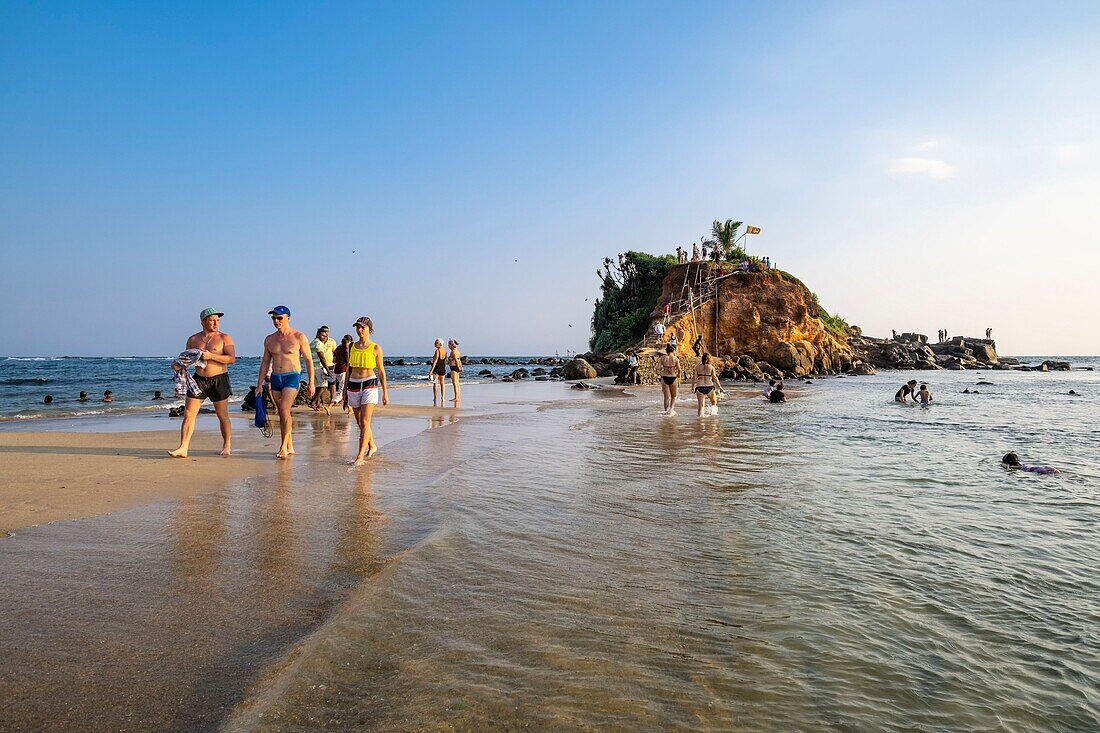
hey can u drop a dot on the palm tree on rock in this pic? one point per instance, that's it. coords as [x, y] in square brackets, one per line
[725, 234]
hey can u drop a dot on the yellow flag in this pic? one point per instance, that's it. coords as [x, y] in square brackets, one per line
[753, 230]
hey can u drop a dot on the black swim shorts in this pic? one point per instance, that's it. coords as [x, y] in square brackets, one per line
[216, 388]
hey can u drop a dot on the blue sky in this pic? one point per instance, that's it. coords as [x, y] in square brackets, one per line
[461, 170]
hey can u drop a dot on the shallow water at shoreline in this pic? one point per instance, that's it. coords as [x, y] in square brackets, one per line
[837, 561]
[25, 381]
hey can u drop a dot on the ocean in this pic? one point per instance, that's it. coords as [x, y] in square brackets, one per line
[25, 382]
[565, 560]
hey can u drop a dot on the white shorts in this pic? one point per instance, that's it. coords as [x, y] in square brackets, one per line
[363, 392]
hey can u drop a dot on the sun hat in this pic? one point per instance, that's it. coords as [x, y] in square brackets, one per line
[279, 310]
[207, 312]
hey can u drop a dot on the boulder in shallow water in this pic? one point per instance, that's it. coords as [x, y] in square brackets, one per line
[794, 357]
[861, 369]
[983, 352]
[520, 373]
[578, 369]
[768, 369]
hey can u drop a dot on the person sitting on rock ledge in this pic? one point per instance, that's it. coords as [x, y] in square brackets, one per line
[909, 389]
[1011, 460]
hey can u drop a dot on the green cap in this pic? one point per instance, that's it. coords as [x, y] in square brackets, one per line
[207, 312]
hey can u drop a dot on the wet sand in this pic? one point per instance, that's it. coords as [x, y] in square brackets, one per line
[163, 615]
[54, 475]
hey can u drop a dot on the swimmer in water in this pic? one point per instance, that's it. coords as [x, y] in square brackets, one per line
[670, 372]
[777, 395]
[1011, 460]
[909, 389]
[924, 395]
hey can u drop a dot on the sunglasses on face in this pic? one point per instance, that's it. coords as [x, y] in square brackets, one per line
[277, 318]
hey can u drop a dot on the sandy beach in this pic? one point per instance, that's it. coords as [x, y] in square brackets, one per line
[55, 475]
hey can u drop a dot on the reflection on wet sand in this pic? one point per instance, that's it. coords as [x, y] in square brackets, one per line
[160, 618]
[201, 534]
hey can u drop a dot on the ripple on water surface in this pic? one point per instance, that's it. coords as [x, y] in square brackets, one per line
[834, 562]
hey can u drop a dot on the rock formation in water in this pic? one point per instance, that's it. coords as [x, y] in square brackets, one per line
[756, 319]
[766, 323]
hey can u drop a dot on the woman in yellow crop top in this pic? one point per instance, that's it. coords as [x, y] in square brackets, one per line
[366, 378]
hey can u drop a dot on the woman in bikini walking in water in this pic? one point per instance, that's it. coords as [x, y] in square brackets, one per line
[670, 373]
[706, 385]
[366, 381]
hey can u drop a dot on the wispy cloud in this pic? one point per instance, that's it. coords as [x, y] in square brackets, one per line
[927, 145]
[931, 167]
[1076, 152]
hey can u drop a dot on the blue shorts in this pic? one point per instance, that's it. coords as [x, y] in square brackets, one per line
[286, 380]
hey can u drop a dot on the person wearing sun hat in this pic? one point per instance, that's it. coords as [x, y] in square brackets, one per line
[284, 351]
[216, 352]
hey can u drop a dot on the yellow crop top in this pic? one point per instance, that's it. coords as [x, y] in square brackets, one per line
[362, 358]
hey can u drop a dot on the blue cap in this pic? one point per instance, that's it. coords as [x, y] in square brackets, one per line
[279, 310]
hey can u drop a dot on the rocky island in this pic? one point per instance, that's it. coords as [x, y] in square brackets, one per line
[758, 321]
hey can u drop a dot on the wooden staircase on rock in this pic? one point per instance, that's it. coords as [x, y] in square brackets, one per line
[699, 287]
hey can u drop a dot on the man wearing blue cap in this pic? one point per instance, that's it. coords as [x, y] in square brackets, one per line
[284, 351]
[217, 352]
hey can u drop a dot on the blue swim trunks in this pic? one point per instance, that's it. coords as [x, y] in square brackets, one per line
[285, 380]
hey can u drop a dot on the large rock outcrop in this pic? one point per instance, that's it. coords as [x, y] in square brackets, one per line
[767, 316]
[912, 351]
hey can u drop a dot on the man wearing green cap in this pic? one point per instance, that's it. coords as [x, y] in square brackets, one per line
[217, 352]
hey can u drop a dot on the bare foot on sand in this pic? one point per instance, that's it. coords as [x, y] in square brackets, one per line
[282, 455]
[177, 453]
[359, 461]
[372, 451]
[225, 451]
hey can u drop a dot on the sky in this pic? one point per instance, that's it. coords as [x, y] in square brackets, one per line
[460, 170]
